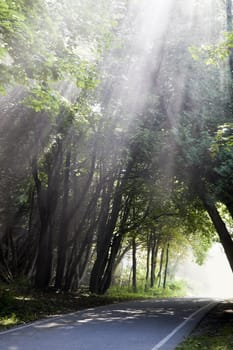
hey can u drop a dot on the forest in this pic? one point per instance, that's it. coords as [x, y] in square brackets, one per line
[116, 139]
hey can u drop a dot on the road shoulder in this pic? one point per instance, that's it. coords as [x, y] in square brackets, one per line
[214, 331]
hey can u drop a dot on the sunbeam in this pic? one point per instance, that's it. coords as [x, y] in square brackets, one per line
[115, 137]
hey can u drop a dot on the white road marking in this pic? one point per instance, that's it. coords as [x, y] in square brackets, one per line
[156, 347]
[192, 316]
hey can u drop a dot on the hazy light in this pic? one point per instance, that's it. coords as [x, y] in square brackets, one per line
[212, 279]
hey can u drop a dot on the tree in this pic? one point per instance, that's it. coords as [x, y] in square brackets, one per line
[116, 139]
[48, 68]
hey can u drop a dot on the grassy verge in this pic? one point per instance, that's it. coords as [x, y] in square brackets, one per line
[176, 289]
[221, 341]
[18, 307]
[215, 332]
[20, 304]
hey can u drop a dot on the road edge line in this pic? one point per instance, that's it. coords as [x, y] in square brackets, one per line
[192, 316]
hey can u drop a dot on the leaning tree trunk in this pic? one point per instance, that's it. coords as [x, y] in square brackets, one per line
[47, 198]
[44, 258]
[43, 261]
[221, 229]
[108, 273]
[108, 243]
[109, 214]
[104, 235]
[83, 237]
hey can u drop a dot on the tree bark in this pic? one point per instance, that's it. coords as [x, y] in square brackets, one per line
[229, 15]
[229, 29]
[62, 240]
[107, 277]
[134, 265]
[47, 199]
[160, 267]
[103, 243]
[148, 261]
[154, 254]
[43, 261]
[166, 267]
[108, 242]
[221, 229]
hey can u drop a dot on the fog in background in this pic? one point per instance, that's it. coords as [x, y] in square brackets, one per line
[212, 279]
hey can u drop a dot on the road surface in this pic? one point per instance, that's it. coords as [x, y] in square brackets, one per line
[138, 325]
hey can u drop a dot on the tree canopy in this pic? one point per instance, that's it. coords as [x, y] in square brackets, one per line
[115, 133]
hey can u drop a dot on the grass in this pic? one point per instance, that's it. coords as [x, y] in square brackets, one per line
[176, 289]
[223, 340]
[20, 304]
[215, 332]
[18, 308]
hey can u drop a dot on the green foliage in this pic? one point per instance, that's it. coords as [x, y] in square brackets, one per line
[38, 42]
[214, 54]
[43, 99]
[72, 80]
[173, 289]
[211, 54]
[20, 303]
[6, 297]
[223, 138]
[220, 341]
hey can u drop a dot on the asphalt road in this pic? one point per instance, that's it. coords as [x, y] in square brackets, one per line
[137, 325]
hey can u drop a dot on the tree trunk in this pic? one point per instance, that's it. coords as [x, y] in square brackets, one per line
[221, 229]
[166, 266]
[134, 265]
[107, 224]
[43, 261]
[229, 15]
[148, 261]
[107, 277]
[103, 243]
[160, 267]
[154, 253]
[89, 217]
[108, 243]
[62, 240]
[229, 206]
[44, 258]
[47, 199]
[229, 29]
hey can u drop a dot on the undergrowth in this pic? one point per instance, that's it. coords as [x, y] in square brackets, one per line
[19, 303]
[174, 289]
[223, 340]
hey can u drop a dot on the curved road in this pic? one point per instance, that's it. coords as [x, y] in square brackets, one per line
[138, 325]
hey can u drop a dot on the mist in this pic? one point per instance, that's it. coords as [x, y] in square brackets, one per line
[107, 128]
[212, 279]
